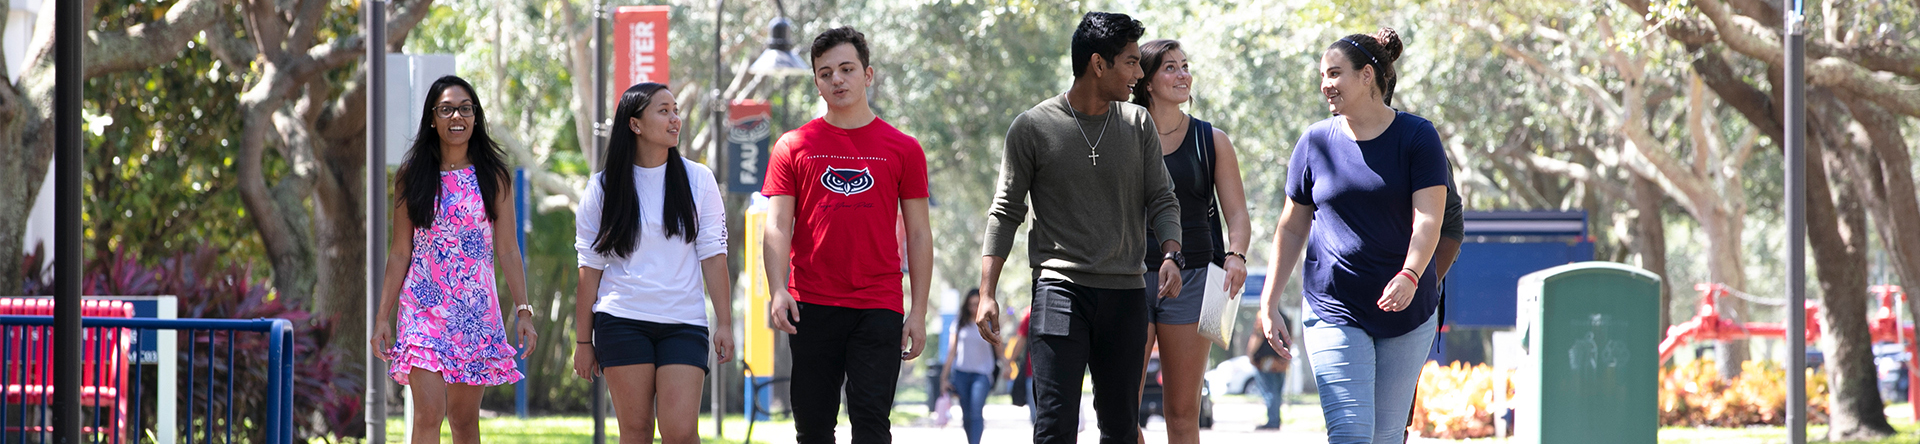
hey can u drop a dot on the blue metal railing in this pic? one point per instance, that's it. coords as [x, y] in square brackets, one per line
[25, 347]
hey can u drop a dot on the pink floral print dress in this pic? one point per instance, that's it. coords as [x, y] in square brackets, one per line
[450, 317]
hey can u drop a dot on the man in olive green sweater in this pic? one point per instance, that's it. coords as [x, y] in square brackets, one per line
[1091, 164]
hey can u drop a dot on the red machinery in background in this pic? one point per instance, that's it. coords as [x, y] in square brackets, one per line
[1884, 324]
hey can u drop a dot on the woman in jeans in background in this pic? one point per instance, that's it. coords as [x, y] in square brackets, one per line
[1365, 192]
[970, 368]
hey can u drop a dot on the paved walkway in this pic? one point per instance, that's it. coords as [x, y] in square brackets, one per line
[1234, 420]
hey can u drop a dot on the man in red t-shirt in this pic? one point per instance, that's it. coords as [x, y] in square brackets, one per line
[837, 186]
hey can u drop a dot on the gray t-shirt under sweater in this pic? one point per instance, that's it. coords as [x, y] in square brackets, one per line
[1090, 213]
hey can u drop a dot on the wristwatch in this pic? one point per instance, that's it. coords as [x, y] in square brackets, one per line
[522, 307]
[1243, 258]
[1179, 260]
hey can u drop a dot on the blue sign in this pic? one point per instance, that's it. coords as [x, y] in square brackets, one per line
[749, 129]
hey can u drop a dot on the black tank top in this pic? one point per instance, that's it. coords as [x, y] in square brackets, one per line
[1191, 168]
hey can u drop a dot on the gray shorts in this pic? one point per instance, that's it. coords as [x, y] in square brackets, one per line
[1181, 310]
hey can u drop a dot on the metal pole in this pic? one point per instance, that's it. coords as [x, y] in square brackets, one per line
[376, 398]
[69, 24]
[715, 156]
[1796, 226]
[522, 224]
[600, 18]
[599, 106]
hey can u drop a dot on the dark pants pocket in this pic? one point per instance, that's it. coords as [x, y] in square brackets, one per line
[1052, 308]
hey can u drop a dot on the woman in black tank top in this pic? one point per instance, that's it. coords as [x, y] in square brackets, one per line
[1206, 180]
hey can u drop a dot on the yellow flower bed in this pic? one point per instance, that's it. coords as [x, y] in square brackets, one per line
[1693, 394]
[1453, 401]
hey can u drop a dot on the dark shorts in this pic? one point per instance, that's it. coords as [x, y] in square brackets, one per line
[620, 341]
[1181, 310]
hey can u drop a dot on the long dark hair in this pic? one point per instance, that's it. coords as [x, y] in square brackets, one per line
[1151, 54]
[1379, 49]
[620, 206]
[419, 176]
[966, 309]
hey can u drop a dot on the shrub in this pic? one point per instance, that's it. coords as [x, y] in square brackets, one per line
[1453, 401]
[326, 386]
[1693, 394]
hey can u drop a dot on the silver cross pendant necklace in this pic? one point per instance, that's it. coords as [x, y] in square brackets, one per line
[1093, 145]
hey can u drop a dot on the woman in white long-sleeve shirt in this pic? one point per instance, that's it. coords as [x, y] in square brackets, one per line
[650, 231]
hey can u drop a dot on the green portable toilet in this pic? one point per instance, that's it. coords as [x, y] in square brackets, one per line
[1591, 331]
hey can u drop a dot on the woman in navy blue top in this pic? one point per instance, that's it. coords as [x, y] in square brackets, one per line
[1365, 191]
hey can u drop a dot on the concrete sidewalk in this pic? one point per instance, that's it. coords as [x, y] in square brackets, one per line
[1234, 420]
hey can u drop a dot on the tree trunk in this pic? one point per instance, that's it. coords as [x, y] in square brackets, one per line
[1723, 262]
[340, 229]
[1651, 239]
[16, 194]
[1837, 230]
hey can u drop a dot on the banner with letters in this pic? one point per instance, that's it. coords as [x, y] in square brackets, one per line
[749, 131]
[639, 48]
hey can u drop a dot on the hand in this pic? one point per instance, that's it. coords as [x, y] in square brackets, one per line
[585, 365]
[723, 343]
[986, 316]
[382, 340]
[528, 337]
[1277, 336]
[913, 339]
[946, 385]
[785, 312]
[1236, 275]
[1169, 279]
[1398, 293]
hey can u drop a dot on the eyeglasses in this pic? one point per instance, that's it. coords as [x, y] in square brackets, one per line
[447, 111]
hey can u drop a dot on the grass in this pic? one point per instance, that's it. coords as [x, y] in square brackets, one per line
[1903, 424]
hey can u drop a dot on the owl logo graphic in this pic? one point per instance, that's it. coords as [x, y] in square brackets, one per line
[847, 182]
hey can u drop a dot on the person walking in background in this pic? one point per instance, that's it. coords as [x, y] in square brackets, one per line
[838, 185]
[972, 365]
[453, 200]
[1091, 163]
[1271, 375]
[1020, 384]
[1374, 179]
[1205, 175]
[650, 232]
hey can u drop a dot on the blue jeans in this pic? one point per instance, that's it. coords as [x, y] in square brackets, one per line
[1272, 385]
[973, 388]
[1366, 384]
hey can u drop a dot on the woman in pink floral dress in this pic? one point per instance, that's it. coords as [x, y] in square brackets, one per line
[454, 202]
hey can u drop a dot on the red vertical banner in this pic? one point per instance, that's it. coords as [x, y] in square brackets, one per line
[639, 47]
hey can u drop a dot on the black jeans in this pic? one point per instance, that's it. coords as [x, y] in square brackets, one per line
[857, 348]
[1077, 329]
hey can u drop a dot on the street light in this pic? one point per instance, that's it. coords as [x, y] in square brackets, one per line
[779, 60]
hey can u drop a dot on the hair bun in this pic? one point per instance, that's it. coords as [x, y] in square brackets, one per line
[1390, 43]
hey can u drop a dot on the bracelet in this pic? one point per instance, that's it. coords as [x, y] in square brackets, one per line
[1416, 274]
[523, 307]
[583, 342]
[1410, 277]
[1243, 258]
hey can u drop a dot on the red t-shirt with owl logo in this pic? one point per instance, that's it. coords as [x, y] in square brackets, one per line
[847, 185]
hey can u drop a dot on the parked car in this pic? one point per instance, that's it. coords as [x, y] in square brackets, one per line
[1890, 367]
[1889, 364]
[1233, 376]
[1152, 398]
